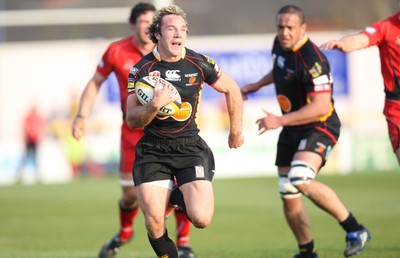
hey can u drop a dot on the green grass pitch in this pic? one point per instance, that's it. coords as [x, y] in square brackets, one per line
[73, 220]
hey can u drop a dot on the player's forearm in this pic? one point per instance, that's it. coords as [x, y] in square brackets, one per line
[354, 42]
[87, 100]
[307, 114]
[235, 110]
[264, 81]
[267, 79]
[140, 115]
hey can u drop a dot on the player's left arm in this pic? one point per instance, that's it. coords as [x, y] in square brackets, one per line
[228, 86]
[319, 105]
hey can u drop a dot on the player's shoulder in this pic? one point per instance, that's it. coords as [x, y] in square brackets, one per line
[199, 58]
[192, 54]
[144, 63]
[121, 43]
[311, 53]
[149, 58]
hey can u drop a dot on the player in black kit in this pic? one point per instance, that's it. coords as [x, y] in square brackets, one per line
[311, 128]
[171, 147]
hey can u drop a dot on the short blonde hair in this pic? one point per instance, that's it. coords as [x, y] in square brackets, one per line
[155, 27]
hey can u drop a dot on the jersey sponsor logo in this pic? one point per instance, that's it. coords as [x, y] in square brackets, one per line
[284, 103]
[191, 81]
[210, 60]
[323, 79]
[172, 75]
[370, 30]
[280, 62]
[323, 87]
[199, 171]
[182, 114]
[316, 70]
[155, 73]
[321, 148]
[191, 75]
[323, 83]
[133, 70]
[131, 84]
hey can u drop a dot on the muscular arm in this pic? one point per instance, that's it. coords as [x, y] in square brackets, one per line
[87, 100]
[348, 43]
[318, 106]
[230, 88]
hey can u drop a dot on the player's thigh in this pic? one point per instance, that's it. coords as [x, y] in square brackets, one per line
[153, 201]
[199, 199]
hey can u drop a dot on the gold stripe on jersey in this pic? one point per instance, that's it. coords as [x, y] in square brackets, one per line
[325, 117]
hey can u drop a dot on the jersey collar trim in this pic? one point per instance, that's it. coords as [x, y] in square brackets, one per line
[157, 54]
[300, 43]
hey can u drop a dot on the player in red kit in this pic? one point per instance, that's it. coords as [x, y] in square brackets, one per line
[386, 36]
[119, 57]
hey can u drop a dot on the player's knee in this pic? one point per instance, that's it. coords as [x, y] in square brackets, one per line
[200, 222]
[286, 189]
[301, 173]
[200, 219]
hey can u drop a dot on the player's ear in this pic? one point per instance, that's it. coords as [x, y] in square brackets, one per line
[303, 28]
[158, 35]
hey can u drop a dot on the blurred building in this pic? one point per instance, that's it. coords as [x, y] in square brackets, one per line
[33, 20]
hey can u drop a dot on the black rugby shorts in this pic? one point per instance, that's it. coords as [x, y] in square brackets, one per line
[186, 159]
[313, 139]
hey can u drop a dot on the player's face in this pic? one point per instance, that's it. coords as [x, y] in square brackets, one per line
[172, 37]
[289, 30]
[139, 29]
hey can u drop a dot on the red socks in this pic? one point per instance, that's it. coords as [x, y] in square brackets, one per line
[183, 225]
[126, 217]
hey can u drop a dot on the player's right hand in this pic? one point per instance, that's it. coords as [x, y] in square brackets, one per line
[247, 89]
[78, 127]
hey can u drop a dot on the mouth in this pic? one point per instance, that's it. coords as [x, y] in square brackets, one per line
[176, 44]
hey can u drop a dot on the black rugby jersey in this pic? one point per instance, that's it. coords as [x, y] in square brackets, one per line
[188, 76]
[298, 72]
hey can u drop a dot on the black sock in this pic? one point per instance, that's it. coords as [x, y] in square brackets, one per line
[164, 246]
[308, 248]
[350, 224]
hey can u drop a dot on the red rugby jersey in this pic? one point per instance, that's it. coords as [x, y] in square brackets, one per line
[386, 36]
[119, 57]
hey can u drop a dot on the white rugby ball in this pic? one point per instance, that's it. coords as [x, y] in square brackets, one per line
[144, 89]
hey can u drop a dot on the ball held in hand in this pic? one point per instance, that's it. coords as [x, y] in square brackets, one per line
[144, 89]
